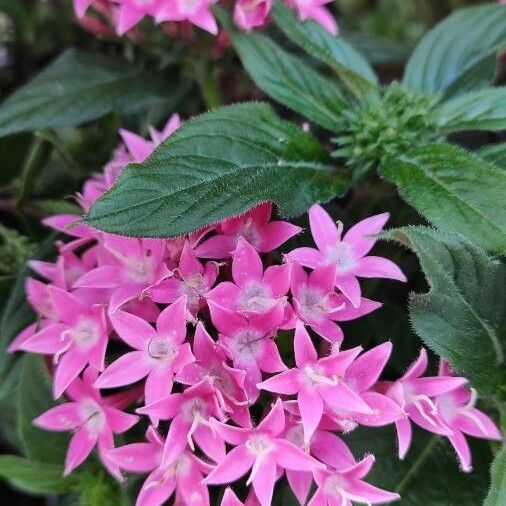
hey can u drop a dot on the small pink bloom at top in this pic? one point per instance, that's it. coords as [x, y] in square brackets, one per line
[93, 419]
[159, 354]
[317, 304]
[264, 235]
[414, 394]
[190, 412]
[345, 486]
[129, 266]
[211, 362]
[191, 278]
[250, 342]
[249, 14]
[261, 449]
[76, 338]
[253, 290]
[348, 253]
[457, 409]
[313, 9]
[318, 383]
[196, 12]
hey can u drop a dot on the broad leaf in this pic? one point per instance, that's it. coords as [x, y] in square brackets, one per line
[289, 80]
[463, 316]
[478, 110]
[34, 398]
[430, 474]
[79, 87]
[97, 488]
[495, 154]
[459, 54]
[379, 50]
[35, 477]
[217, 165]
[350, 66]
[455, 190]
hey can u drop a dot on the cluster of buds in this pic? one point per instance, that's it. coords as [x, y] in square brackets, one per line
[185, 332]
[248, 14]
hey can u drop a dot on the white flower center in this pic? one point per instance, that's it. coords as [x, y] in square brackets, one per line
[92, 415]
[140, 270]
[246, 345]
[313, 304]
[259, 445]
[86, 333]
[250, 233]
[161, 349]
[343, 256]
[315, 376]
[256, 298]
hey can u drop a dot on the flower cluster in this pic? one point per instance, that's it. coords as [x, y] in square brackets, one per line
[195, 324]
[248, 14]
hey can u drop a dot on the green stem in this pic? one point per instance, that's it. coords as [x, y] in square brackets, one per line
[416, 465]
[210, 90]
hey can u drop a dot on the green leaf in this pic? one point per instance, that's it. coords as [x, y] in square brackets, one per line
[455, 190]
[35, 477]
[459, 54]
[462, 317]
[16, 314]
[349, 65]
[289, 80]
[34, 398]
[478, 110]
[97, 488]
[430, 474]
[79, 87]
[217, 165]
[495, 154]
[497, 493]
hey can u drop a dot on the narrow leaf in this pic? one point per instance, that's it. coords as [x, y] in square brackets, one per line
[462, 317]
[217, 165]
[79, 87]
[455, 190]
[289, 80]
[350, 66]
[478, 110]
[459, 54]
[34, 477]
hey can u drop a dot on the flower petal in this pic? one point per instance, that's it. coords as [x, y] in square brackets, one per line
[128, 369]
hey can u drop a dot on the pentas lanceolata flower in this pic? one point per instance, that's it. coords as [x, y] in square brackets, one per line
[189, 329]
[125, 15]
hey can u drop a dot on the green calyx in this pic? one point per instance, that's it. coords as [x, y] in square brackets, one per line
[385, 124]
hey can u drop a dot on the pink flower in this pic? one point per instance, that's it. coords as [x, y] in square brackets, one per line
[348, 254]
[317, 382]
[77, 338]
[195, 11]
[190, 412]
[249, 342]
[255, 227]
[361, 376]
[183, 476]
[81, 6]
[458, 413]
[414, 393]
[132, 12]
[312, 9]
[230, 499]
[346, 485]
[192, 279]
[252, 291]
[211, 362]
[159, 354]
[249, 14]
[130, 267]
[262, 450]
[94, 420]
[318, 305]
